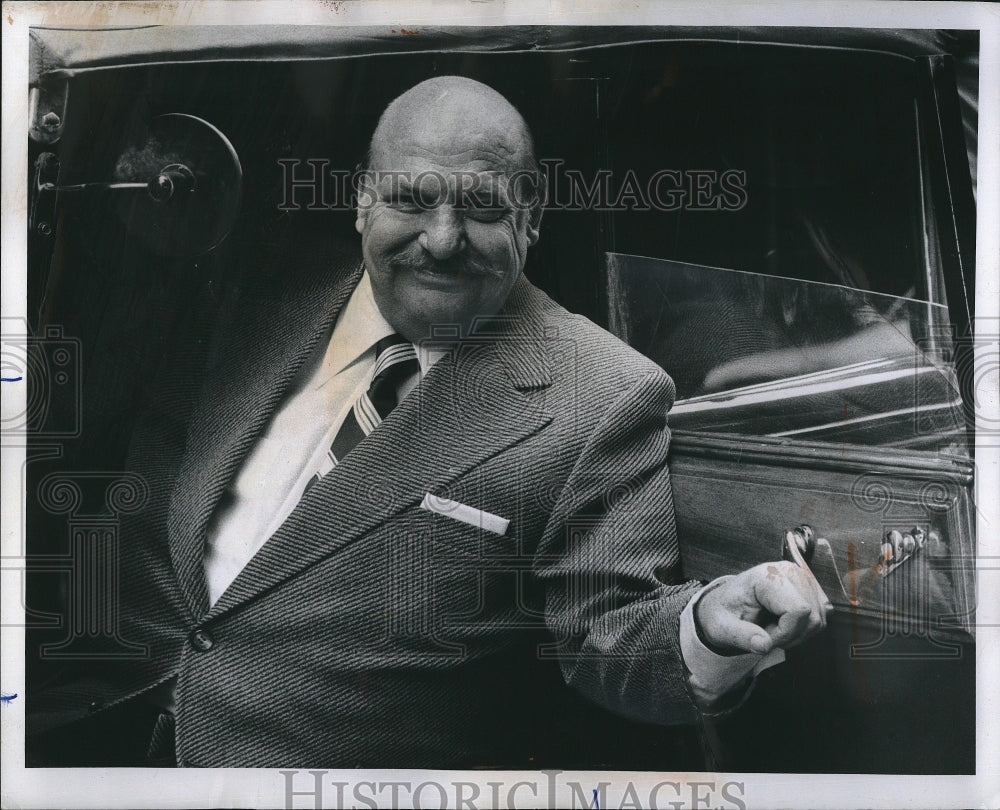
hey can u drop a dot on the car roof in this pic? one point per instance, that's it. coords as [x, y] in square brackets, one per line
[68, 51]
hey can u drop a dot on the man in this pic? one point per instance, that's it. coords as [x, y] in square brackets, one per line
[361, 553]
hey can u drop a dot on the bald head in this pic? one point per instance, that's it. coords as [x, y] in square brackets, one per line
[453, 115]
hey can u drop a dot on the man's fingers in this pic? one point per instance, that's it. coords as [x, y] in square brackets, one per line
[793, 627]
[726, 613]
[791, 594]
[735, 635]
[787, 587]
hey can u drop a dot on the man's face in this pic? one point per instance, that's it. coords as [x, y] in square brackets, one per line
[444, 231]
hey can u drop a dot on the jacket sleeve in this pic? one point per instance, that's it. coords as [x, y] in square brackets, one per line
[610, 565]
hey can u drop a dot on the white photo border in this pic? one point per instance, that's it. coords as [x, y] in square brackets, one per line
[142, 788]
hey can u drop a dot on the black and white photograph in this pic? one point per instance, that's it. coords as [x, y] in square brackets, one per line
[476, 404]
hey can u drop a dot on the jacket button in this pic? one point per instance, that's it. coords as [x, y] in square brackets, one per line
[201, 641]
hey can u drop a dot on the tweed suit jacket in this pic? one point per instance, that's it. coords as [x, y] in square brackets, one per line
[369, 631]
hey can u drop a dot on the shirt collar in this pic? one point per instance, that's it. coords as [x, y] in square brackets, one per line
[360, 326]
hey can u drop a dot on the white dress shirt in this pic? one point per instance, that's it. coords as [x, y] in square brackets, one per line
[292, 448]
[294, 444]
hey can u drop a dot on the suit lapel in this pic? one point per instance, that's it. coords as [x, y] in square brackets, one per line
[265, 343]
[467, 409]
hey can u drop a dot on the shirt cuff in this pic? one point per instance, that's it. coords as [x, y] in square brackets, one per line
[713, 675]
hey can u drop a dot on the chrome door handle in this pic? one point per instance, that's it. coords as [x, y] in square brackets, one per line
[899, 546]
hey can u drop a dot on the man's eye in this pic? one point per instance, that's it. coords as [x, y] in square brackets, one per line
[484, 208]
[403, 202]
[486, 214]
[414, 201]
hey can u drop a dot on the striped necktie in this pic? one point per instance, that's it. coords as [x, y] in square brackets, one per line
[395, 363]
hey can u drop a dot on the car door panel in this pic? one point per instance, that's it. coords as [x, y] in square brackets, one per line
[737, 498]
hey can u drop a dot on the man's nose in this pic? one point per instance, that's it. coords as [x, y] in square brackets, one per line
[444, 232]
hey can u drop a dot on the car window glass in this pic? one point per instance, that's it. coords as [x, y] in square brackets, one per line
[773, 356]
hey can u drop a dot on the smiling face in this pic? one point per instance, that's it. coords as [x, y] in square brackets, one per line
[444, 222]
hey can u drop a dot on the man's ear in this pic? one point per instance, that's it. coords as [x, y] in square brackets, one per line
[366, 199]
[534, 222]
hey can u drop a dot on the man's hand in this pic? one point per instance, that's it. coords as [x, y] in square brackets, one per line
[775, 604]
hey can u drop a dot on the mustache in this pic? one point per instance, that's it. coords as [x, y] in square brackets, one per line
[456, 265]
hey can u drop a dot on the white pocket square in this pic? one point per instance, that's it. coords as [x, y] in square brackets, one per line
[466, 514]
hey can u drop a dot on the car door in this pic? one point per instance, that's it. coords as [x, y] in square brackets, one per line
[820, 404]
